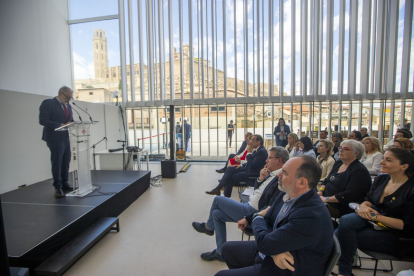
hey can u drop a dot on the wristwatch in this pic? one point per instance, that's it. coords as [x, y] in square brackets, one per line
[374, 216]
[327, 198]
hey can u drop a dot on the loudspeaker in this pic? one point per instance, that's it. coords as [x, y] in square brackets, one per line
[169, 169]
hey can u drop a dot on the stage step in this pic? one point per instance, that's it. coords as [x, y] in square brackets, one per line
[64, 258]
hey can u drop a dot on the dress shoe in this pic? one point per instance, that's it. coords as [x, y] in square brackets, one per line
[212, 256]
[59, 193]
[201, 227]
[213, 192]
[67, 187]
[221, 170]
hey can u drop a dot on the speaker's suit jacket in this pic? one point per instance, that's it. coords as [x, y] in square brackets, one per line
[52, 116]
[306, 232]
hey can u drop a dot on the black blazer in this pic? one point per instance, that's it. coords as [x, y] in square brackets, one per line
[242, 147]
[306, 232]
[269, 195]
[352, 186]
[51, 116]
[255, 161]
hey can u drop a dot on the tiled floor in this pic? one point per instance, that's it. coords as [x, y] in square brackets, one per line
[157, 238]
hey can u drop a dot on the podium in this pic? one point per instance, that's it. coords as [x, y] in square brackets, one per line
[79, 133]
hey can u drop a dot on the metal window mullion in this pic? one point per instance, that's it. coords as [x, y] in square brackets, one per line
[235, 49]
[320, 47]
[340, 115]
[131, 52]
[122, 47]
[303, 52]
[329, 55]
[353, 32]
[199, 126]
[202, 51]
[263, 63]
[216, 68]
[150, 128]
[281, 45]
[208, 128]
[180, 18]
[371, 112]
[212, 51]
[341, 49]
[208, 65]
[349, 117]
[293, 50]
[191, 58]
[270, 52]
[320, 119]
[158, 129]
[142, 127]
[135, 127]
[141, 58]
[392, 112]
[246, 50]
[166, 131]
[191, 118]
[330, 121]
[161, 51]
[224, 53]
[406, 52]
[365, 48]
[360, 115]
[150, 54]
[198, 51]
[258, 50]
[379, 61]
[263, 120]
[171, 47]
[373, 46]
[315, 50]
[381, 124]
[402, 115]
[392, 49]
[254, 76]
[154, 14]
[300, 120]
[218, 130]
[412, 117]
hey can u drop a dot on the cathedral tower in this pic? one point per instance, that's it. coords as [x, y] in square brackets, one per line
[100, 53]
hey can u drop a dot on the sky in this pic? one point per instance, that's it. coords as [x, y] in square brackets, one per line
[83, 52]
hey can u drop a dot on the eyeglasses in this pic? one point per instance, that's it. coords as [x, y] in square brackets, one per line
[269, 157]
[345, 149]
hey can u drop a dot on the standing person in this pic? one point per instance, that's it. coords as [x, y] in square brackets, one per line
[187, 133]
[178, 134]
[230, 131]
[54, 113]
[406, 125]
[281, 132]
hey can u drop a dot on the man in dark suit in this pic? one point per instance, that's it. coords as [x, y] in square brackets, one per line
[294, 236]
[226, 209]
[255, 162]
[54, 113]
[185, 137]
[241, 149]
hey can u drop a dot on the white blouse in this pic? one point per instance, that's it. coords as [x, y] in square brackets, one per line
[372, 162]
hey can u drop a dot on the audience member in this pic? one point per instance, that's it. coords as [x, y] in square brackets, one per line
[373, 155]
[241, 158]
[323, 134]
[389, 205]
[226, 209]
[255, 162]
[349, 180]
[406, 125]
[403, 143]
[355, 135]
[401, 133]
[364, 133]
[325, 159]
[242, 148]
[281, 132]
[304, 147]
[294, 234]
[337, 140]
[292, 140]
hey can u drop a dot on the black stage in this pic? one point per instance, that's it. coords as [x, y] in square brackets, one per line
[37, 224]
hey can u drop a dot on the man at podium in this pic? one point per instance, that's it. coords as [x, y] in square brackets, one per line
[54, 113]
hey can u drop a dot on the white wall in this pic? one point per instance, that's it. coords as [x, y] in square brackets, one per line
[34, 46]
[24, 157]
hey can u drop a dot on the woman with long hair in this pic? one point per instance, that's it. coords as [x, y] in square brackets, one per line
[373, 155]
[281, 132]
[304, 146]
[292, 140]
[388, 206]
[324, 158]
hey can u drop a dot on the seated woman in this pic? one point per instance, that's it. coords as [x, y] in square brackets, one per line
[349, 180]
[324, 158]
[403, 143]
[241, 158]
[373, 155]
[390, 203]
[292, 140]
[304, 146]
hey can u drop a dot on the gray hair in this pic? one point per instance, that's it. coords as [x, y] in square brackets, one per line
[281, 152]
[64, 89]
[356, 146]
[310, 170]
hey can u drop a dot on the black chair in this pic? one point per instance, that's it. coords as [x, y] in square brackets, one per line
[377, 256]
[247, 231]
[333, 258]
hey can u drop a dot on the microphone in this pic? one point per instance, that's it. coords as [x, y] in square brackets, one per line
[76, 113]
[83, 111]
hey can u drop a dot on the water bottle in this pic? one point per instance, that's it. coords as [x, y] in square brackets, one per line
[135, 163]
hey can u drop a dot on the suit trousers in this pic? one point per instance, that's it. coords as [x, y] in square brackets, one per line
[231, 176]
[60, 158]
[242, 258]
[231, 155]
[225, 210]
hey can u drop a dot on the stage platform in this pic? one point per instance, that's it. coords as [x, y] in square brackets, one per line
[37, 224]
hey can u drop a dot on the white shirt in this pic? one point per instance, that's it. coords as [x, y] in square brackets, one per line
[257, 194]
[372, 162]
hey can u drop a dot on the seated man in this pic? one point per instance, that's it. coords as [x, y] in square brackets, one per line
[255, 162]
[296, 231]
[228, 210]
[242, 148]
[355, 135]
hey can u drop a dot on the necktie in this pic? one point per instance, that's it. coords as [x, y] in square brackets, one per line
[66, 112]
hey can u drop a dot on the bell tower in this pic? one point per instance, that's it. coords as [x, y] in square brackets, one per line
[100, 53]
